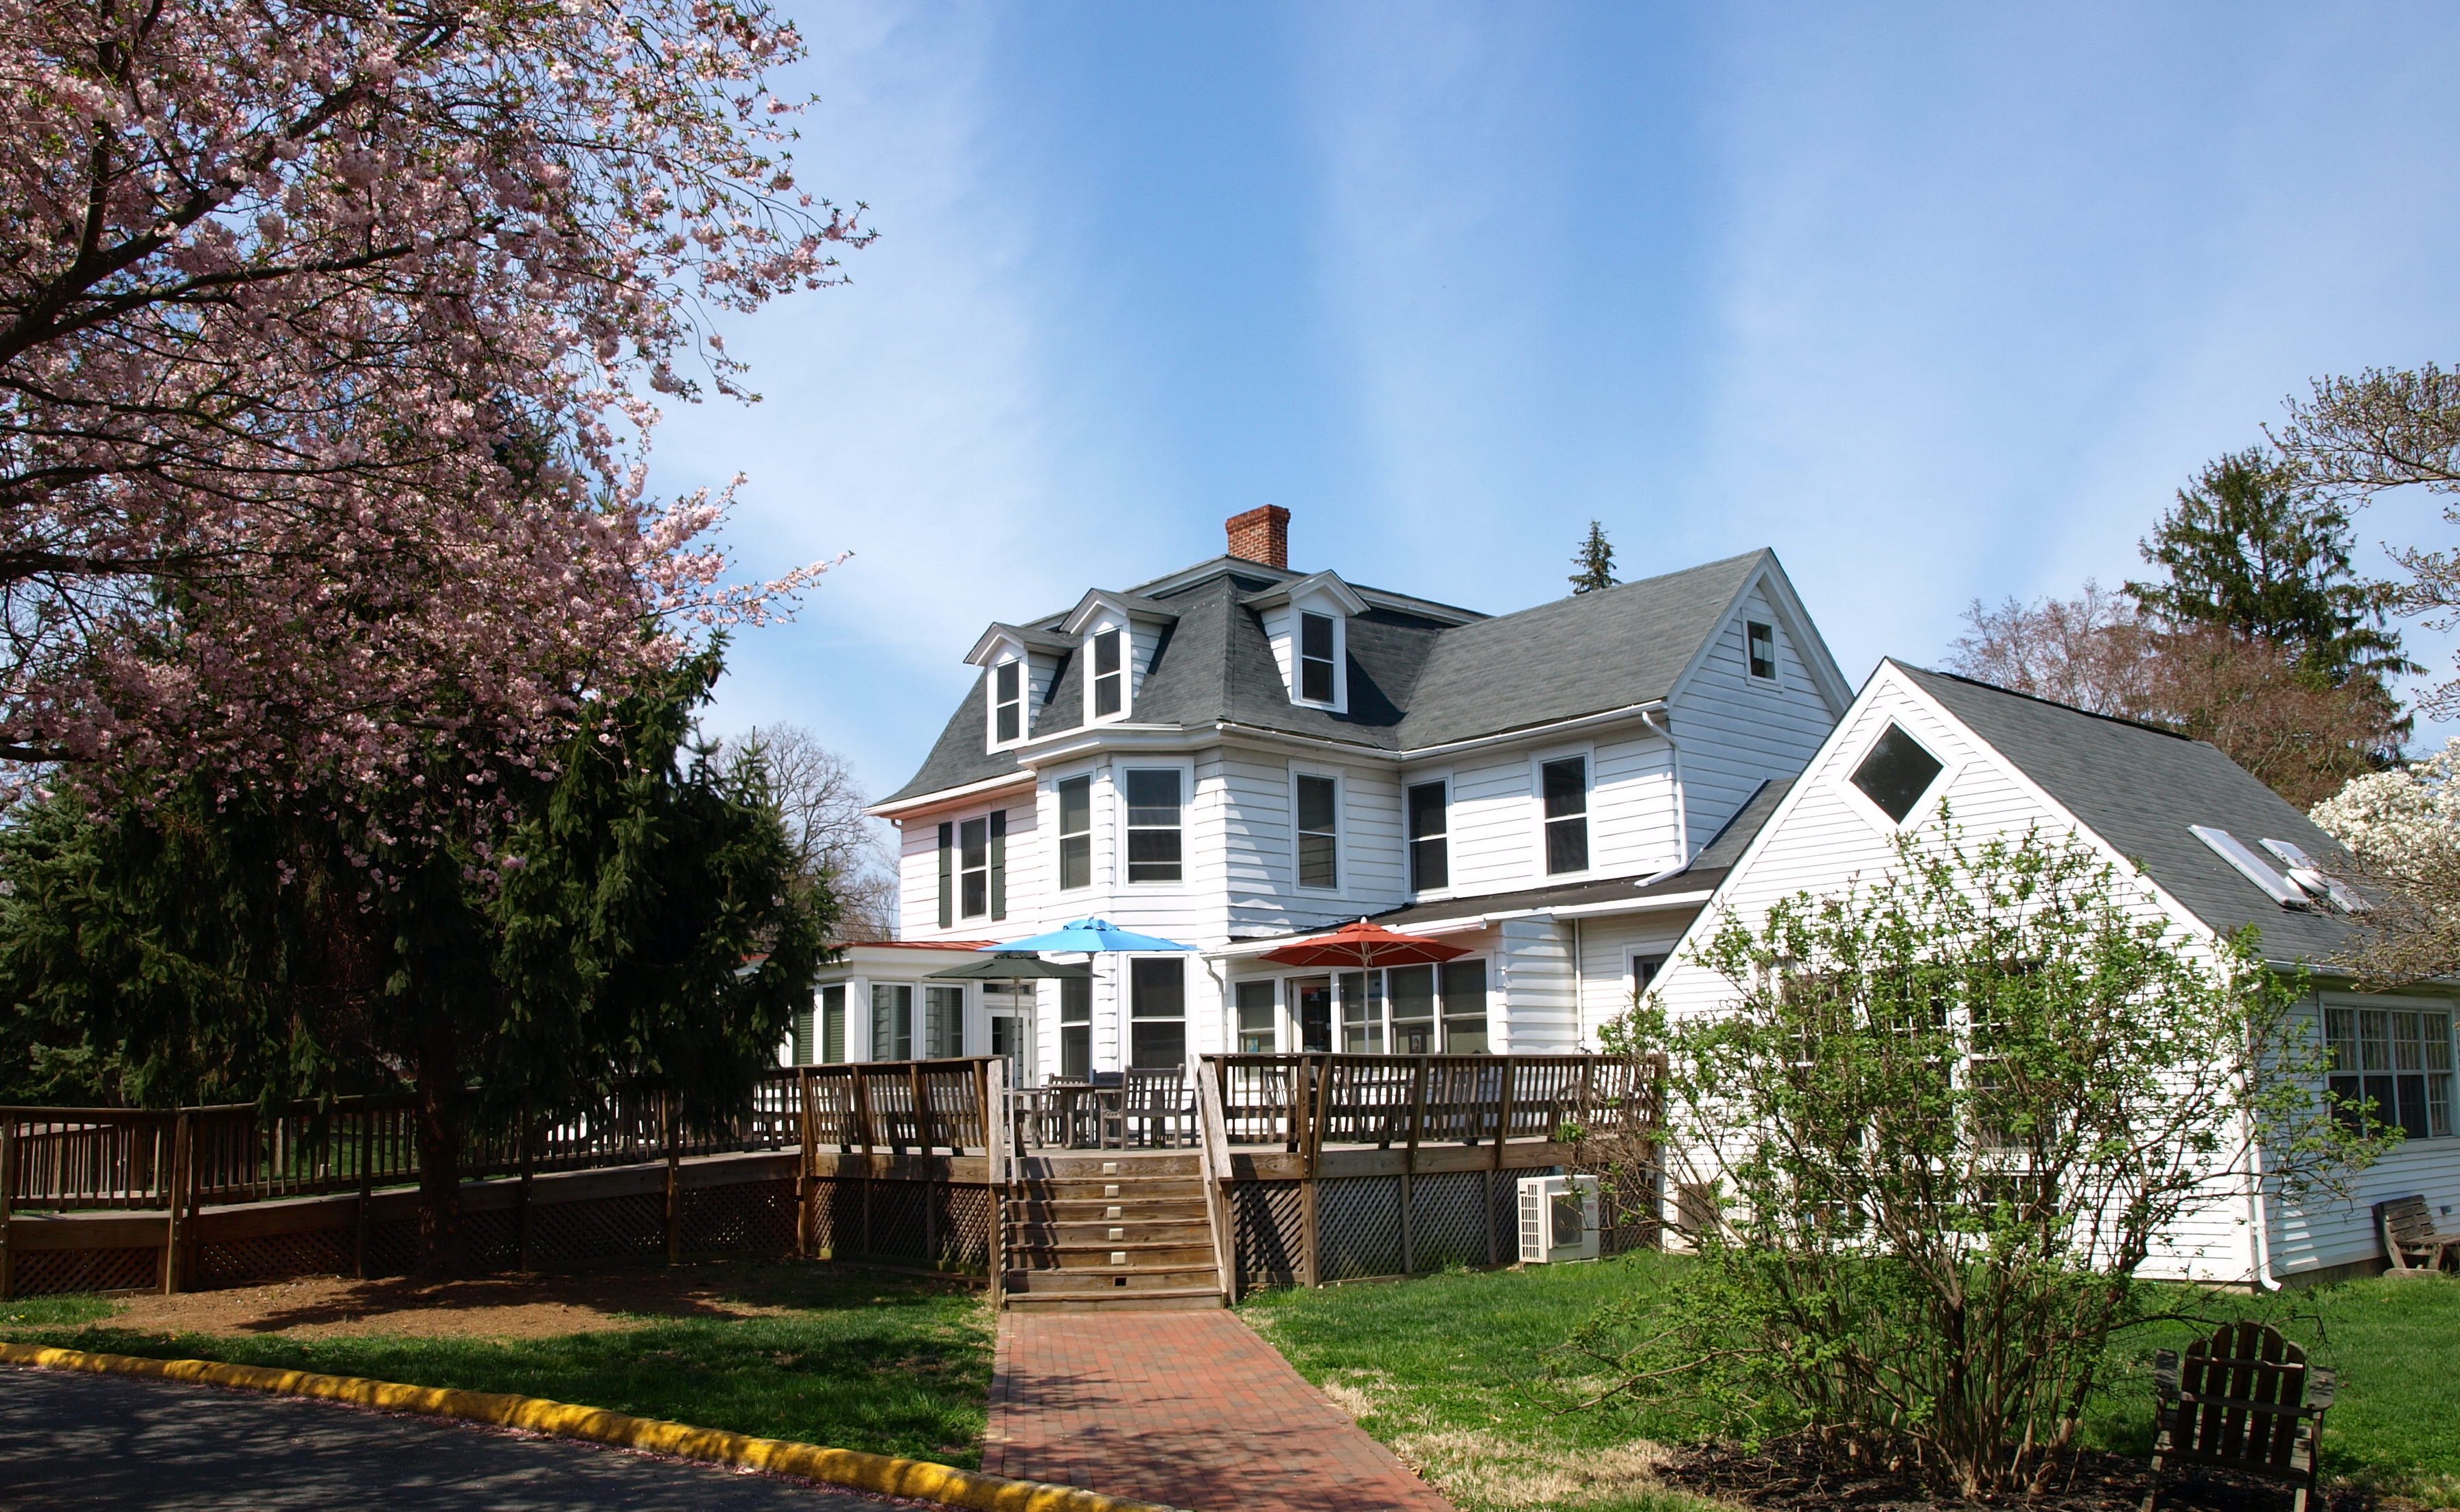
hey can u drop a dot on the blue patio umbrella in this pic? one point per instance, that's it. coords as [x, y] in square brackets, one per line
[1088, 935]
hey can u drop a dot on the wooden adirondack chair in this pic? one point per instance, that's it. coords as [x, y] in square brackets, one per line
[2410, 1240]
[2243, 1399]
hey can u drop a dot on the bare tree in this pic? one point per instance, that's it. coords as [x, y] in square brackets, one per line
[2092, 651]
[2254, 698]
[838, 844]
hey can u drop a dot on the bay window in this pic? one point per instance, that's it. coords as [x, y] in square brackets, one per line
[1076, 832]
[1318, 828]
[1154, 819]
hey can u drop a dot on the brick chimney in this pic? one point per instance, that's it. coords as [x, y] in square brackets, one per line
[1261, 535]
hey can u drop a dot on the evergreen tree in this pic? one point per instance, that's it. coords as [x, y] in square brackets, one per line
[2250, 548]
[1596, 562]
[271, 946]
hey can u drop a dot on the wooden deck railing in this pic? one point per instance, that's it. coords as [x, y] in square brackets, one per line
[1303, 1102]
[71, 1159]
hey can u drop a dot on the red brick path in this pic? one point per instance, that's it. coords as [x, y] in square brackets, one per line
[1188, 1409]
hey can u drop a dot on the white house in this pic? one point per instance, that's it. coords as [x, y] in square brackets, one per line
[1240, 754]
[2215, 844]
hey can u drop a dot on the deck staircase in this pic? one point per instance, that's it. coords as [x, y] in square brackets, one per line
[1109, 1231]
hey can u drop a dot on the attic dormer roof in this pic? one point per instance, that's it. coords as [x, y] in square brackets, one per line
[1028, 640]
[1133, 606]
[1350, 600]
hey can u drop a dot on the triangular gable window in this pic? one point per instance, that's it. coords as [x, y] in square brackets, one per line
[1897, 772]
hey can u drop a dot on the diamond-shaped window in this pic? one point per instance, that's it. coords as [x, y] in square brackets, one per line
[1897, 772]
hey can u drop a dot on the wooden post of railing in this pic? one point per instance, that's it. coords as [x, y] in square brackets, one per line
[1494, 1175]
[8, 1204]
[807, 1187]
[862, 1120]
[674, 1178]
[175, 1217]
[995, 1134]
[1410, 1164]
[922, 1141]
[528, 1134]
[1213, 1138]
[1311, 1240]
[360, 1219]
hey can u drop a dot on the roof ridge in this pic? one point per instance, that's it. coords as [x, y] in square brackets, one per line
[2018, 692]
[1599, 595]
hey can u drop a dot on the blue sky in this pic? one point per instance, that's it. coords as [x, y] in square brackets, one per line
[1940, 302]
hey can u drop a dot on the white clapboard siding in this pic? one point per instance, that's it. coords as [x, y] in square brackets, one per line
[1494, 824]
[1823, 838]
[1533, 958]
[1737, 731]
[1607, 948]
[1635, 822]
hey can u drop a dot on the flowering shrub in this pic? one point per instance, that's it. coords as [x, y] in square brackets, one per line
[2402, 831]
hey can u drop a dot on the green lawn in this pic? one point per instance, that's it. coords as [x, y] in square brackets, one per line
[861, 1361]
[1456, 1374]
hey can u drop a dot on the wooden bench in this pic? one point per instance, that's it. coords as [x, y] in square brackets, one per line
[2410, 1240]
[2244, 1399]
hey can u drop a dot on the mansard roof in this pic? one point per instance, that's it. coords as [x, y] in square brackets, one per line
[1420, 673]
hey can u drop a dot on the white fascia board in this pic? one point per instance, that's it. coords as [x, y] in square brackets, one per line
[1100, 599]
[921, 801]
[1328, 583]
[1108, 736]
[1261, 735]
[1462, 923]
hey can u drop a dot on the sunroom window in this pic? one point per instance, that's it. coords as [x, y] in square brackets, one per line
[2397, 1059]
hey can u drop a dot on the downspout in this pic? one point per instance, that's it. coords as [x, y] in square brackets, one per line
[1682, 793]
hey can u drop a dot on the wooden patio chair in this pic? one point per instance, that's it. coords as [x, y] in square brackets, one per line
[1154, 1106]
[2412, 1241]
[2244, 1399]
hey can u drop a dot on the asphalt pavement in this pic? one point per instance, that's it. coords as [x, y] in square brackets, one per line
[70, 1439]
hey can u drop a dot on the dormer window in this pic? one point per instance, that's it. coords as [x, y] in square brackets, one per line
[1110, 675]
[1316, 664]
[1008, 702]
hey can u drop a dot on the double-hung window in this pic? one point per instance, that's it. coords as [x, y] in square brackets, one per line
[1465, 1008]
[2399, 1060]
[982, 867]
[833, 1025]
[1075, 1027]
[1157, 1014]
[1076, 832]
[1317, 683]
[892, 1021]
[1430, 844]
[1319, 812]
[1008, 701]
[1759, 642]
[1565, 785]
[1154, 819]
[1110, 675]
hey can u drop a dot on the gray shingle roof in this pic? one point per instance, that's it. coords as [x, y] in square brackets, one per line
[1414, 680]
[2139, 788]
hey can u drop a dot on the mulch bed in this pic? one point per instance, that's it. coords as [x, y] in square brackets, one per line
[1791, 1476]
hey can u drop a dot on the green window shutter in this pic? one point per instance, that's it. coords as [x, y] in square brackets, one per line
[999, 863]
[947, 875]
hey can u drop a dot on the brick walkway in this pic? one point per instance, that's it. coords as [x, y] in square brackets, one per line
[1188, 1409]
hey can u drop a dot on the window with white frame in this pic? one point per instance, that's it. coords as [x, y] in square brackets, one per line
[1319, 832]
[1430, 838]
[973, 868]
[1076, 832]
[1464, 1005]
[1317, 664]
[1008, 702]
[1257, 1036]
[1897, 771]
[1759, 642]
[1158, 1012]
[1564, 785]
[1075, 1026]
[1362, 1013]
[1110, 675]
[892, 1021]
[2392, 1066]
[943, 1022]
[833, 1025]
[1156, 813]
[1404, 1010]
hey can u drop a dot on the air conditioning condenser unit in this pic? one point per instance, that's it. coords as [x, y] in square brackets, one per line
[1559, 1218]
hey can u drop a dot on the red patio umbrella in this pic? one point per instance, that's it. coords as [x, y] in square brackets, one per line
[1365, 946]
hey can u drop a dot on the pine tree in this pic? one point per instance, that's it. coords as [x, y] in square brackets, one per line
[1596, 562]
[2251, 549]
[269, 945]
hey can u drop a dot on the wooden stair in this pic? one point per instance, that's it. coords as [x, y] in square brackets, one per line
[1108, 1231]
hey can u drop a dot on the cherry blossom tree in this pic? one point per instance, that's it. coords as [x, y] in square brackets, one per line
[329, 332]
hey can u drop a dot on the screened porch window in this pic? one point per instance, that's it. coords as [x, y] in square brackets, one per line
[1075, 1027]
[943, 1022]
[1157, 1014]
[1256, 1035]
[892, 1021]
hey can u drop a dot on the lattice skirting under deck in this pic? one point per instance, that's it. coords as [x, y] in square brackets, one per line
[51, 1272]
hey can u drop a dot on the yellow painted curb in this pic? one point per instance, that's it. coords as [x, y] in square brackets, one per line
[917, 1479]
